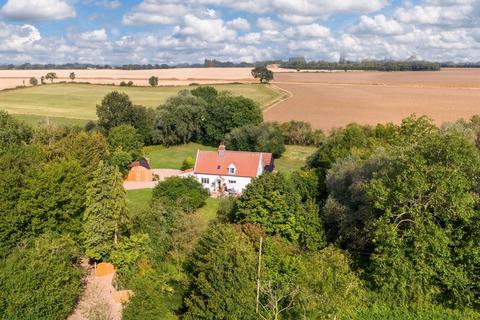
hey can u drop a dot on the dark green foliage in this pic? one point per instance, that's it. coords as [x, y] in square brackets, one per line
[126, 138]
[40, 281]
[272, 202]
[379, 65]
[33, 81]
[185, 193]
[223, 269]
[153, 81]
[12, 131]
[330, 289]
[226, 113]
[207, 93]
[414, 212]
[17, 165]
[116, 109]
[266, 137]
[301, 133]
[54, 198]
[87, 148]
[106, 213]
[263, 74]
[153, 297]
[179, 119]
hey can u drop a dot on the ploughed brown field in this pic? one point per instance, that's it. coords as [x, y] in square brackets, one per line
[329, 100]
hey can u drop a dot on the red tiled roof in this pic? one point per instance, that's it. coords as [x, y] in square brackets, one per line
[246, 163]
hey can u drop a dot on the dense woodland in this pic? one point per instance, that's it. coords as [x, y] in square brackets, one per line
[382, 222]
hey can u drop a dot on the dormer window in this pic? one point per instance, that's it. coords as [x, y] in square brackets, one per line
[231, 169]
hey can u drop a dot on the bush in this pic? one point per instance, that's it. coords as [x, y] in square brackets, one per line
[33, 81]
[41, 281]
[185, 193]
[188, 163]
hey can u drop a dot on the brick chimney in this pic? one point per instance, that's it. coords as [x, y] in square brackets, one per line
[221, 150]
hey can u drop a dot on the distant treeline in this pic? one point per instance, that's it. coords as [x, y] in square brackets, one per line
[378, 65]
[208, 63]
[292, 63]
[451, 64]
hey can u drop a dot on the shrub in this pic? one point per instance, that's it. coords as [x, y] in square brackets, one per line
[185, 193]
[188, 163]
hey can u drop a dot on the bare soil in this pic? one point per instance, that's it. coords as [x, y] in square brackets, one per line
[329, 100]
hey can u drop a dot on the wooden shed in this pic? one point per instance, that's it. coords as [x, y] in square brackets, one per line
[140, 171]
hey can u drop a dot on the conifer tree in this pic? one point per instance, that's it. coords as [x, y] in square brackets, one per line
[106, 212]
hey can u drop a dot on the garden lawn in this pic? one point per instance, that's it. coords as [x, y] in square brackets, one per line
[139, 199]
[78, 101]
[293, 158]
[172, 157]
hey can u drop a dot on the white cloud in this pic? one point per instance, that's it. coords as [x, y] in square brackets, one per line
[109, 4]
[379, 25]
[17, 38]
[239, 24]
[313, 30]
[99, 35]
[266, 23]
[151, 12]
[209, 30]
[37, 10]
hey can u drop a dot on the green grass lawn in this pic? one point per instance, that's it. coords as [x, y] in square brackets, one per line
[172, 157]
[294, 158]
[78, 101]
[209, 211]
[34, 120]
[137, 200]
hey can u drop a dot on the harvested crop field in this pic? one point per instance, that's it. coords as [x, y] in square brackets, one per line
[167, 77]
[78, 101]
[329, 100]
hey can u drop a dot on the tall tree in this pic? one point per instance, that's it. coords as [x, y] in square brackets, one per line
[106, 214]
[263, 74]
[179, 119]
[223, 268]
[226, 113]
[153, 81]
[51, 76]
[72, 76]
[114, 110]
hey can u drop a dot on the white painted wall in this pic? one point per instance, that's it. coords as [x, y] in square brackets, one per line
[239, 185]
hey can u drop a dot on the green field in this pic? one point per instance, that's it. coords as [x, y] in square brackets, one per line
[78, 101]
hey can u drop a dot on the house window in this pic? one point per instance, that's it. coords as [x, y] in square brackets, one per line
[232, 181]
[231, 169]
[205, 180]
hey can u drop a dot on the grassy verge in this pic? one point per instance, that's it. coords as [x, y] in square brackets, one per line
[137, 200]
[294, 158]
[172, 157]
[209, 211]
[78, 101]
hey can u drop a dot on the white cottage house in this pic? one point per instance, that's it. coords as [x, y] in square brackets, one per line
[229, 171]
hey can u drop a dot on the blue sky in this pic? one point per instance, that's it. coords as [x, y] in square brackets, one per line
[175, 31]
